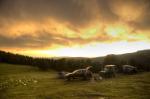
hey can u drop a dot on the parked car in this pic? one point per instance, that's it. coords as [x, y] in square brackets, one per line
[128, 69]
[109, 71]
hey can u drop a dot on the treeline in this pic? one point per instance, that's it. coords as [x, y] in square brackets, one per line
[139, 59]
[66, 64]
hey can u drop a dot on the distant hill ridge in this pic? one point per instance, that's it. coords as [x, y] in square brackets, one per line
[139, 59]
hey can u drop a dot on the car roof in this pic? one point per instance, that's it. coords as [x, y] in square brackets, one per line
[110, 65]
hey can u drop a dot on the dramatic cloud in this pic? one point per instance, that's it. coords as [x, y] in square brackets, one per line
[136, 12]
[53, 24]
[72, 11]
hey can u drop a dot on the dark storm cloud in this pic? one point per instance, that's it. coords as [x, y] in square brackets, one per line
[68, 10]
[135, 6]
[75, 12]
[24, 41]
[45, 39]
[105, 11]
[144, 23]
[28, 41]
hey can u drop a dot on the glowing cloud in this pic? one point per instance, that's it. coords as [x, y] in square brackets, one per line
[86, 28]
[90, 50]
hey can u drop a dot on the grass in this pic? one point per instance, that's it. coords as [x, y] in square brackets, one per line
[25, 82]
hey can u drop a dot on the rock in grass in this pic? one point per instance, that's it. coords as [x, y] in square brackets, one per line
[35, 81]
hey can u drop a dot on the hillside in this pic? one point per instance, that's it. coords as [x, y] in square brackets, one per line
[126, 55]
[140, 59]
[26, 82]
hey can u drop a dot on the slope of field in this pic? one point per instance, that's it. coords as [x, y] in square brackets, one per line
[25, 82]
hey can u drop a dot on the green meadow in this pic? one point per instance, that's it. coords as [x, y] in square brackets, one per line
[26, 82]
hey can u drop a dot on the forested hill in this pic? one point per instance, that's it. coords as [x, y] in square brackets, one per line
[140, 59]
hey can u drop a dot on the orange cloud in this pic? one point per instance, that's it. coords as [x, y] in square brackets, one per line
[59, 24]
[50, 32]
[129, 10]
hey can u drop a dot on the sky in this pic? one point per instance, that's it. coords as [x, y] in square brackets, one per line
[74, 28]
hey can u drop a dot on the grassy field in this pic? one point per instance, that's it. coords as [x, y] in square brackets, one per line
[25, 82]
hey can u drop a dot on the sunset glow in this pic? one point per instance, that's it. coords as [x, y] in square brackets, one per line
[93, 50]
[72, 28]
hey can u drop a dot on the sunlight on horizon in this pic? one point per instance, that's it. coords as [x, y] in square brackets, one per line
[74, 28]
[90, 50]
